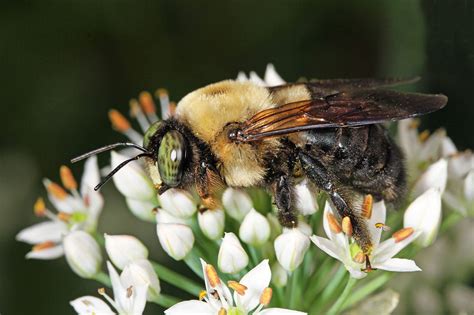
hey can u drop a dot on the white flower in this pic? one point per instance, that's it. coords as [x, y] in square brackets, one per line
[424, 214]
[251, 295]
[254, 229]
[339, 246]
[279, 275]
[271, 77]
[124, 249]
[306, 202]
[179, 203]
[77, 210]
[232, 257]
[290, 248]
[211, 223]
[459, 193]
[82, 254]
[175, 236]
[128, 299]
[140, 272]
[237, 203]
[435, 176]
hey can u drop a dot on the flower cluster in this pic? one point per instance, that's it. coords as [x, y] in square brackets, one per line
[272, 270]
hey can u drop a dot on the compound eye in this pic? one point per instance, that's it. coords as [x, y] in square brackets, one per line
[151, 132]
[171, 157]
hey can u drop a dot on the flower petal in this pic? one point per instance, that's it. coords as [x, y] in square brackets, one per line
[177, 240]
[232, 257]
[141, 273]
[142, 209]
[339, 238]
[89, 305]
[469, 186]
[271, 77]
[398, 264]
[290, 248]
[178, 202]
[124, 249]
[211, 223]
[279, 311]
[306, 202]
[46, 254]
[91, 175]
[43, 232]
[120, 292]
[254, 229]
[435, 176]
[328, 247]
[389, 248]
[255, 280]
[237, 203]
[194, 307]
[379, 212]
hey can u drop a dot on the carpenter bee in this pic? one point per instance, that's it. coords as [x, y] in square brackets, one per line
[239, 134]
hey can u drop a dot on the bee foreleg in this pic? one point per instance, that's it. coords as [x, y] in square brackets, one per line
[208, 185]
[283, 197]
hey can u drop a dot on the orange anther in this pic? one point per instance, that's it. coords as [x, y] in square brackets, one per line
[424, 135]
[347, 226]
[119, 122]
[402, 234]
[367, 206]
[222, 311]
[43, 246]
[134, 107]
[237, 287]
[333, 223]
[63, 216]
[147, 103]
[172, 108]
[67, 178]
[161, 93]
[56, 190]
[39, 207]
[266, 296]
[212, 276]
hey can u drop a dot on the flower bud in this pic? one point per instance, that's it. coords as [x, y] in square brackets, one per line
[237, 203]
[132, 180]
[123, 249]
[179, 203]
[142, 209]
[232, 257]
[424, 214]
[290, 248]
[175, 236]
[255, 229]
[141, 273]
[211, 223]
[279, 275]
[435, 176]
[306, 202]
[82, 254]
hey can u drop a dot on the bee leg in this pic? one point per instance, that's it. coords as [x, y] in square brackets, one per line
[317, 173]
[208, 184]
[283, 196]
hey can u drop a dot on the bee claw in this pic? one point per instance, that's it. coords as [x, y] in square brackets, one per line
[368, 267]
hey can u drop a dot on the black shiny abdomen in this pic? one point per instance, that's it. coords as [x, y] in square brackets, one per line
[364, 159]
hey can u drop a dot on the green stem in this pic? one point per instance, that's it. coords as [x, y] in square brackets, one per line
[452, 219]
[176, 279]
[329, 290]
[315, 283]
[367, 289]
[103, 278]
[336, 307]
[166, 300]
[294, 291]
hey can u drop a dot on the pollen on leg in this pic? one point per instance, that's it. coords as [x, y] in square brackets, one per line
[237, 287]
[367, 206]
[67, 178]
[347, 226]
[212, 276]
[359, 257]
[333, 223]
[402, 234]
[119, 122]
[56, 190]
[39, 207]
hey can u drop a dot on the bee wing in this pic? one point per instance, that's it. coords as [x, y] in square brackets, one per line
[344, 109]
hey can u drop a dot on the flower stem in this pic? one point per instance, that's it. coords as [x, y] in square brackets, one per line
[328, 291]
[367, 289]
[166, 300]
[176, 279]
[103, 278]
[336, 307]
[294, 288]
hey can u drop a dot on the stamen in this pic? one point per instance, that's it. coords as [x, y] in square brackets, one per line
[162, 95]
[202, 295]
[333, 223]
[101, 291]
[211, 273]
[415, 123]
[119, 122]
[39, 207]
[135, 111]
[56, 190]
[424, 135]
[347, 226]
[266, 296]
[67, 178]
[129, 291]
[63, 216]
[402, 234]
[43, 246]
[172, 108]
[367, 206]
[146, 102]
[359, 258]
[222, 311]
[237, 287]
[382, 226]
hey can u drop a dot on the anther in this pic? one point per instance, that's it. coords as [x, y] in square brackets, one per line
[212, 276]
[347, 226]
[101, 291]
[129, 291]
[119, 122]
[402, 234]
[134, 107]
[202, 295]
[67, 178]
[56, 190]
[367, 206]
[333, 223]
[43, 246]
[147, 103]
[222, 311]
[266, 296]
[237, 287]
[424, 135]
[63, 216]
[39, 207]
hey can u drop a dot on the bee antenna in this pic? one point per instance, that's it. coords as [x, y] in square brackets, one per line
[116, 169]
[107, 148]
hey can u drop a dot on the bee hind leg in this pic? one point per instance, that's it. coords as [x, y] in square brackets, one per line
[283, 197]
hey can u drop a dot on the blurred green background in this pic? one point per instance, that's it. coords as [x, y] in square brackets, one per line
[65, 63]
